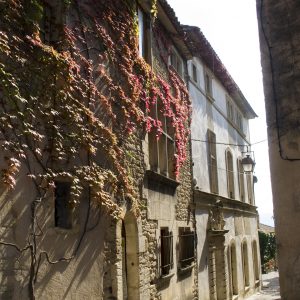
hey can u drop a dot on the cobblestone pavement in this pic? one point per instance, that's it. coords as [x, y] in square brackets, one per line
[270, 288]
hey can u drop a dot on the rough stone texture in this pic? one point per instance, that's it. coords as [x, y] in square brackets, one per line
[97, 269]
[279, 30]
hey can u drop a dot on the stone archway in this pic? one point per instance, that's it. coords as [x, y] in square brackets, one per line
[130, 258]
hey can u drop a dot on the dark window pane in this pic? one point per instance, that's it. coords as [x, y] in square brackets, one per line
[63, 213]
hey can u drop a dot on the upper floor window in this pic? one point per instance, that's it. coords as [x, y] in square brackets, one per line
[208, 84]
[46, 24]
[239, 121]
[186, 247]
[143, 34]
[162, 148]
[194, 73]
[241, 180]
[176, 62]
[166, 251]
[230, 174]
[212, 161]
[230, 109]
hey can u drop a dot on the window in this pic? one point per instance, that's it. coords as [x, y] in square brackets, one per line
[230, 174]
[230, 111]
[46, 25]
[194, 70]
[186, 247]
[162, 149]
[208, 85]
[63, 211]
[239, 121]
[176, 62]
[166, 251]
[241, 180]
[143, 35]
[233, 270]
[245, 264]
[212, 161]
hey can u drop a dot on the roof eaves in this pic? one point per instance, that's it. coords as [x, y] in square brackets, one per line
[200, 47]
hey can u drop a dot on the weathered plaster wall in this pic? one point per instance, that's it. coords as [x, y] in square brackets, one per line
[212, 114]
[279, 31]
[237, 234]
[240, 218]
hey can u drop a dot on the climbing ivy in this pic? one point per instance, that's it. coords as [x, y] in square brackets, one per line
[85, 95]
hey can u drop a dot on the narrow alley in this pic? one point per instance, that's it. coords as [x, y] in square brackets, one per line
[270, 288]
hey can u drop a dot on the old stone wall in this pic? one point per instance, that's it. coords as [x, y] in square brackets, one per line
[279, 25]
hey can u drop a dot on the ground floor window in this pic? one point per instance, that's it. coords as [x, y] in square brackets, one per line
[166, 251]
[186, 247]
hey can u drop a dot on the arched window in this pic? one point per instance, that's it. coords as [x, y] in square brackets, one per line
[255, 260]
[241, 180]
[230, 174]
[245, 263]
[232, 268]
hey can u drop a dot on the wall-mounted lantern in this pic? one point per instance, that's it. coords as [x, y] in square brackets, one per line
[248, 163]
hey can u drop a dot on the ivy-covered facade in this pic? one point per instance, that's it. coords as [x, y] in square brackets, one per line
[95, 158]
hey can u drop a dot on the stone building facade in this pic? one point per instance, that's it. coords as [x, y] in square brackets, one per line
[225, 212]
[101, 197]
[279, 43]
[98, 204]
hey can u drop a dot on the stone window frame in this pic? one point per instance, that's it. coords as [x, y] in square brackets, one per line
[166, 258]
[230, 173]
[212, 161]
[162, 148]
[186, 248]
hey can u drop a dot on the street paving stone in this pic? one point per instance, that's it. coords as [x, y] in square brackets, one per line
[270, 288]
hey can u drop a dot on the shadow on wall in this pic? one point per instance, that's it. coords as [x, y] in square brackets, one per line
[58, 279]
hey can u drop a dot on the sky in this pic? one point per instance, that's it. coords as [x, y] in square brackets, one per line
[231, 28]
